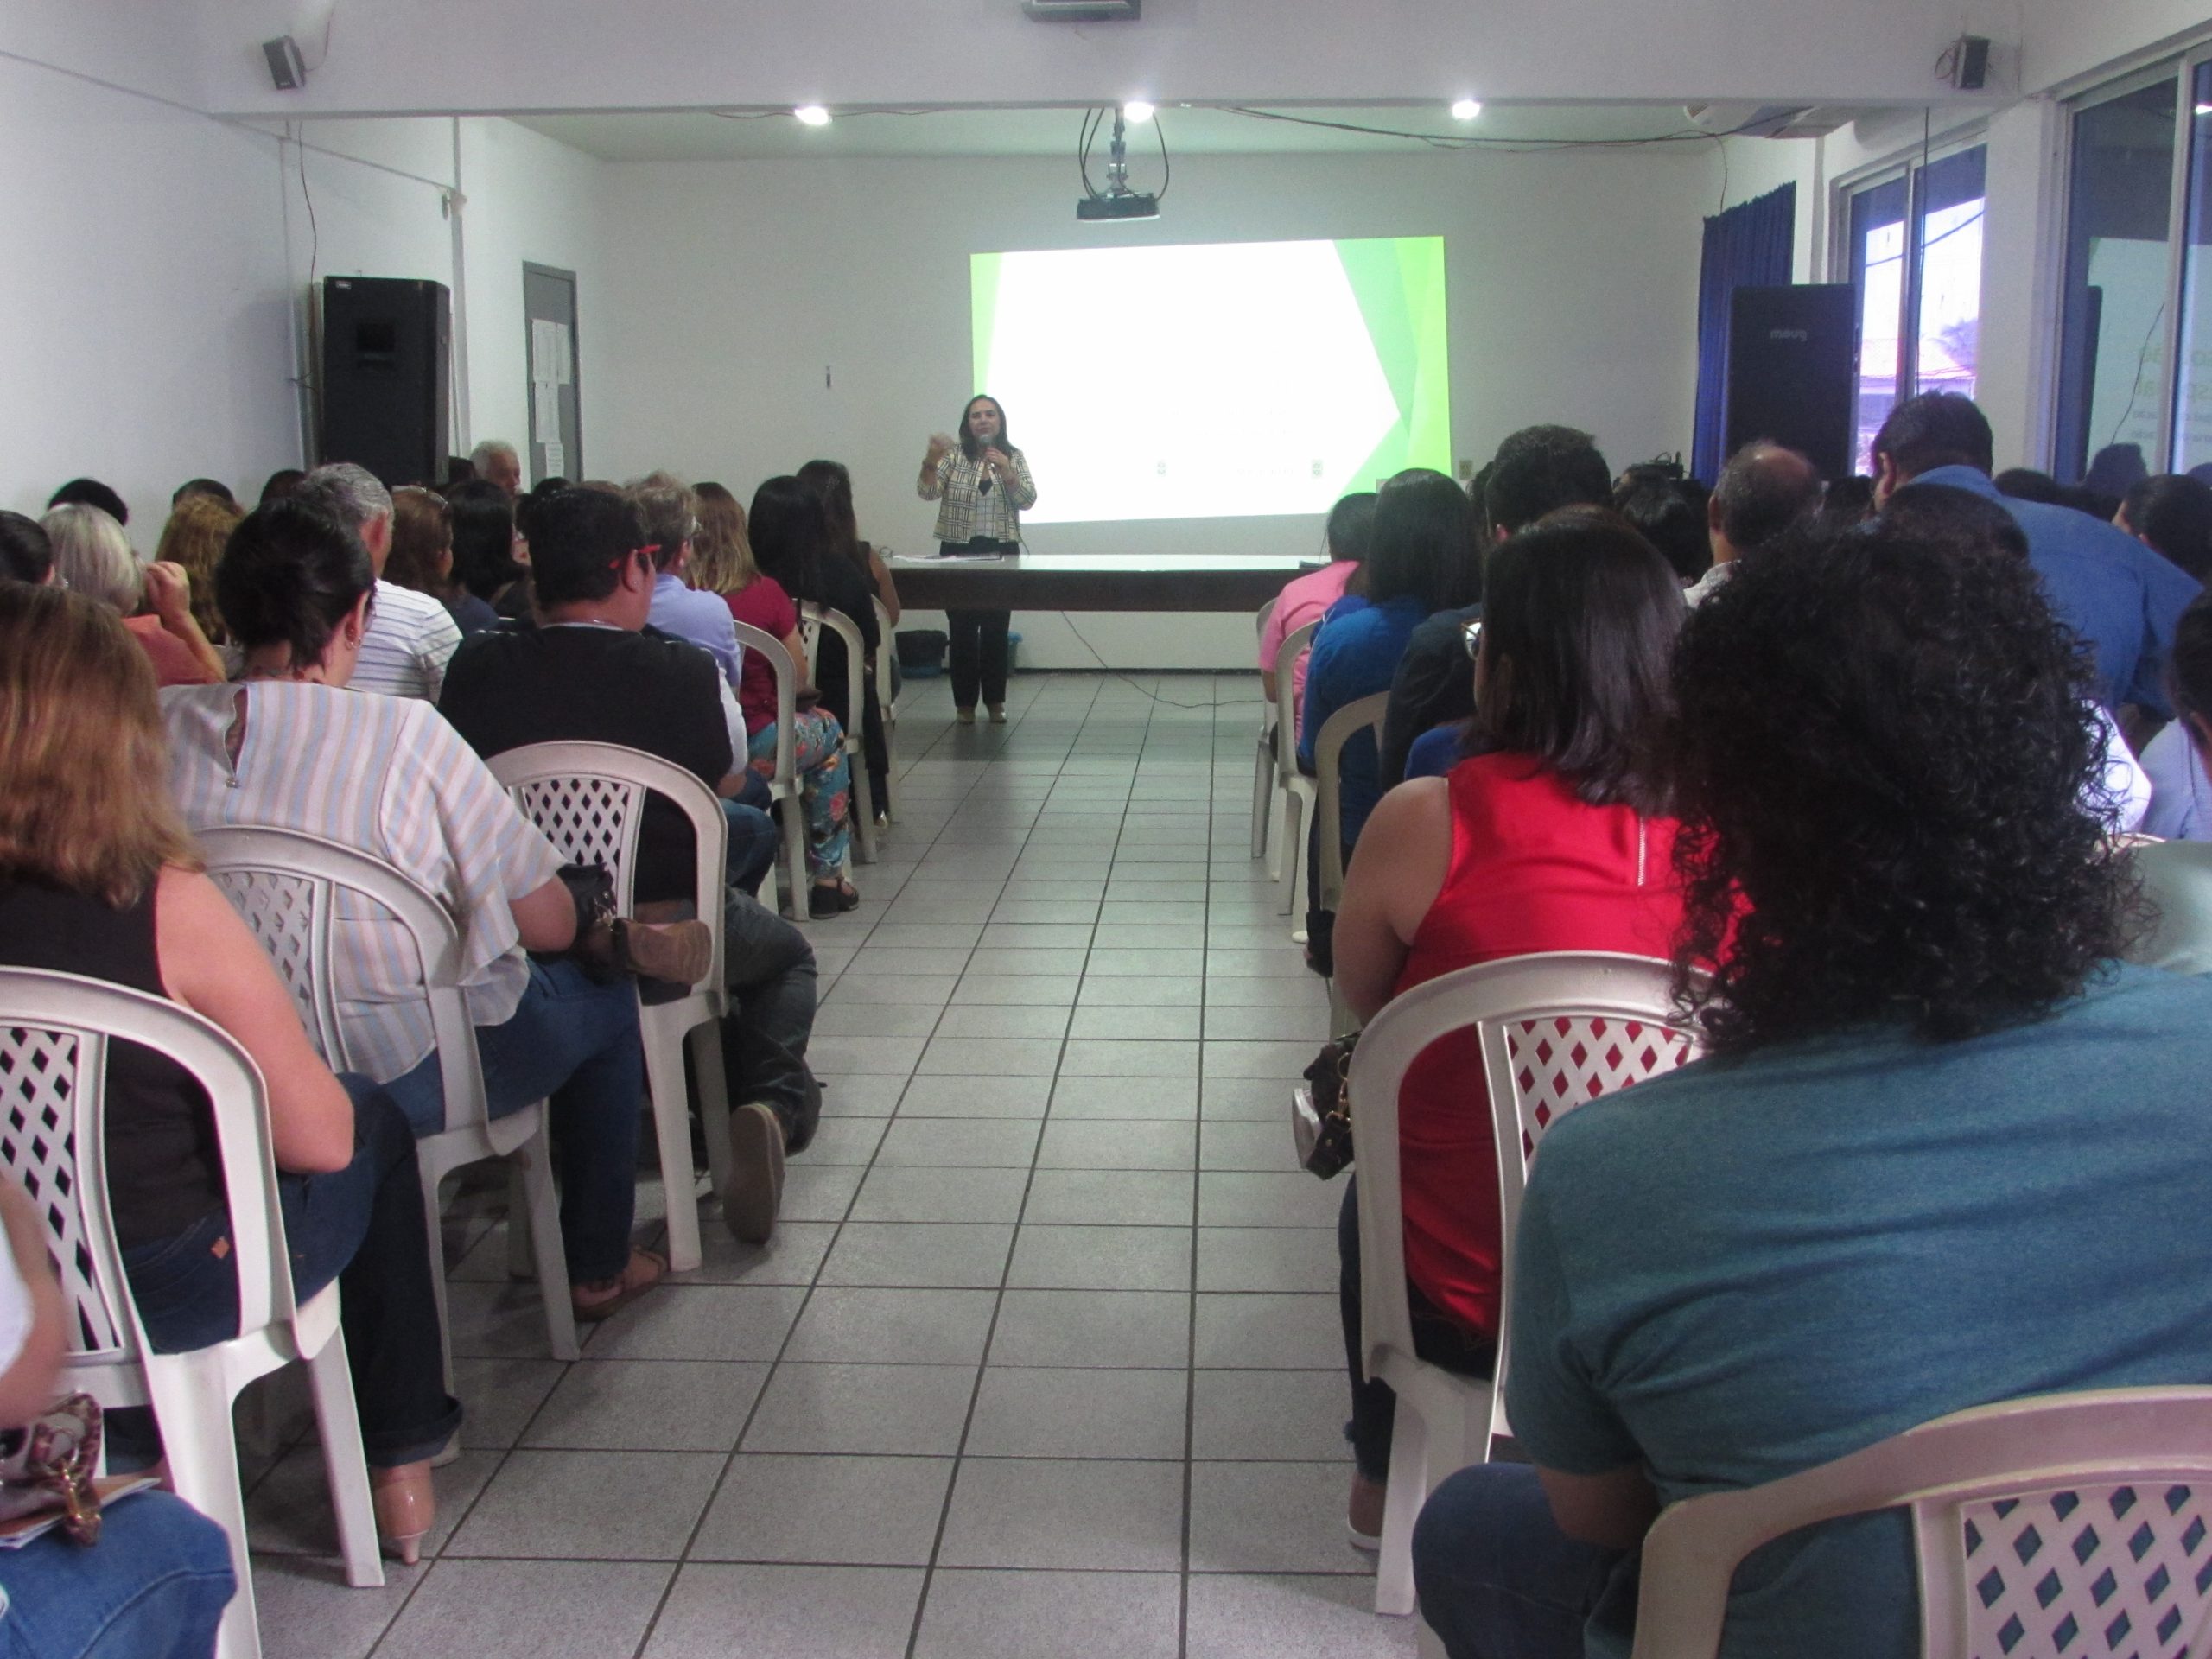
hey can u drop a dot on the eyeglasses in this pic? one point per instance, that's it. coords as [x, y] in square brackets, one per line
[1471, 637]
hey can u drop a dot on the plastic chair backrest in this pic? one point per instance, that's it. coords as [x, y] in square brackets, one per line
[286, 884]
[1361, 714]
[2066, 1523]
[588, 798]
[1556, 1030]
[1260, 617]
[812, 619]
[1295, 645]
[54, 1033]
[885, 655]
[761, 640]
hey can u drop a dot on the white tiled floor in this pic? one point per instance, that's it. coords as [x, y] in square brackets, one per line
[1044, 1359]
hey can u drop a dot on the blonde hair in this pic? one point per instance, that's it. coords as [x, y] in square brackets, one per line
[95, 557]
[721, 556]
[200, 527]
[84, 762]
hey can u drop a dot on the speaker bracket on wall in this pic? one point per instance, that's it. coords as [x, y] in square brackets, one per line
[286, 67]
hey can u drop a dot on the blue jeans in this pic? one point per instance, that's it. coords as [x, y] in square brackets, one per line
[574, 1041]
[154, 1587]
[362, 1225]
[752, 839]
[1498, 1580]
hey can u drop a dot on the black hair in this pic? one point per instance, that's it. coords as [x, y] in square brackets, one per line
[1881, 751]
[1846, 502]
[1579, 615]
[280, 484]
[1763, 491]
[1936, 429]
[90, 493]
[2115, 470]
[790, 535]
[1942, 513]
[2188, 663]
[1421, 545]
[2026, 484]
[1540, 469]
[26, 553]
[484, 538]
[1350, 530]
[1669, 513]
[289, 574]
[213, 487]
[968, 447]
[832, 483]
[2173, 514]
[578, 540]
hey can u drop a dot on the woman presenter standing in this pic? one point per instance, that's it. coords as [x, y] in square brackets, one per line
[983, 482]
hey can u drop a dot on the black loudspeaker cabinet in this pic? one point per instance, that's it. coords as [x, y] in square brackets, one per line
[387, 368]
[1793, 371]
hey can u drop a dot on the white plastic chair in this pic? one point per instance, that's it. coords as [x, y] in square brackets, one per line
[286, 884]
[2039, 1525]
[1263, 753]
[54, 1030]
[1296, 789]
[886, 702]
[589, 799]
[1360, 714]
[1556, 1030]
[784, 788]
[812, 618]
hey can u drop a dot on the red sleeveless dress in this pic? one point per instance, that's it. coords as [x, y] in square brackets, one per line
[1532, 869]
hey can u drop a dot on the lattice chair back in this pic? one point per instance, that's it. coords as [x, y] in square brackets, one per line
[2070, 1524]
[55, 1030]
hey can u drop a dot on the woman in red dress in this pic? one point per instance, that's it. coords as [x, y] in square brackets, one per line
[1550, 835]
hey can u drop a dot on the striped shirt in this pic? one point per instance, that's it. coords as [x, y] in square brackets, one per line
[409, 638]
[384, 776]
[966, 513]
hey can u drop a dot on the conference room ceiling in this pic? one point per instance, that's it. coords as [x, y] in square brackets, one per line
[703, 136]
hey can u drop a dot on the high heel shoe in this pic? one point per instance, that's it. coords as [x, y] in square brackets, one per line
[405, 1506]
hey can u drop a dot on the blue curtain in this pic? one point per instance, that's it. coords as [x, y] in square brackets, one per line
[1748, 246]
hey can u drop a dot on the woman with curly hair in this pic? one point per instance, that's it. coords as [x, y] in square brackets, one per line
[1945, 1151]
[193, 540]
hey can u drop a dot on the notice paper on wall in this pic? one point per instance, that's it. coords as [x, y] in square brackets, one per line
[557, 460]
[544, 412]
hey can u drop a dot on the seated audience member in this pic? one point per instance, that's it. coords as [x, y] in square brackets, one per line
[98, 877]
[2171, 514]
[459, 470]
[279, 484]
[1669, 512]
[789, 539]
[2181, 791]
[495, 461]
[91, 556]
[213, 487]
[421, 559]
[1889, 1194]
[295, 585]
[590, 672]
[26, 552]
[1552, 833]
[2119, 598]
[721, 558]
[2176, 874]
[1764, 492]
[156, 1587]
[90, 493]
[1536, 470]
[1306, 598]
[491, 547]
[193, 540]
[1846, 503]
[2026, 484]
[832, 483]
[411, 636]
[669, 511]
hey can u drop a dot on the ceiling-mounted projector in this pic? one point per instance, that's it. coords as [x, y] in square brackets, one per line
[1083, 11]
[1117, 200]
[1118, 204]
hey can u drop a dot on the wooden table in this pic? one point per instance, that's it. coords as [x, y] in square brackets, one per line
[1027, 582]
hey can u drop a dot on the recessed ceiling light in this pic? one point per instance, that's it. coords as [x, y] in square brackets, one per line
[1466, 109]
[812, 115]
[1136, 109]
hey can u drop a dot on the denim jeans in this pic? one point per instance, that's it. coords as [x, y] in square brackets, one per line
[362, 1225]
[752, 839]
[1437, 1337]
[770, 972]
[154, 1587]
[575, 1041]
[1498, 1580]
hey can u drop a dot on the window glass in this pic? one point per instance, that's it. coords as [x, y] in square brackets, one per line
[1877, 272]
[1949, 214]
[2193, 392]
[2112, 371]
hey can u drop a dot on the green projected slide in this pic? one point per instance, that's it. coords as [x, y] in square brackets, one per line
[1226, 379]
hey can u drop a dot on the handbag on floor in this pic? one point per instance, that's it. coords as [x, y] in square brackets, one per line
[1320, 1112]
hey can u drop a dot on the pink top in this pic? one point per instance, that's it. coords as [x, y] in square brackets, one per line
[1302, 600]
[173, 663]
[763, 603]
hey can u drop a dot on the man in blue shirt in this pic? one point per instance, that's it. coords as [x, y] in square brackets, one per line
[1944, 1152]
[2121, 598]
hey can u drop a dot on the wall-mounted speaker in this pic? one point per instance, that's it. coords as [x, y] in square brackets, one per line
[1793, 370]
[387, 376]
